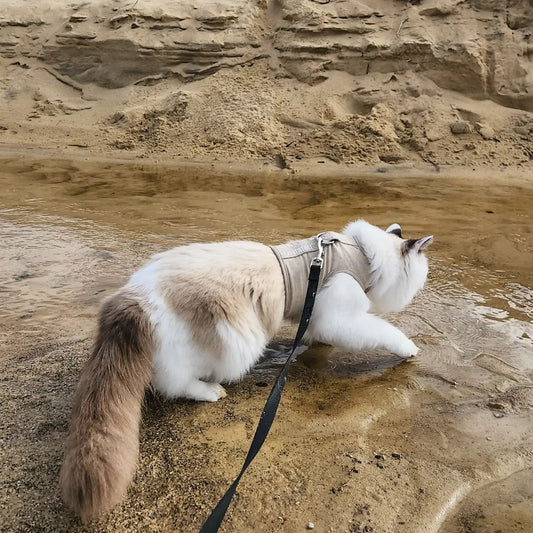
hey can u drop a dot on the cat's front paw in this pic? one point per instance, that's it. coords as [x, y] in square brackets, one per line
[407, 349]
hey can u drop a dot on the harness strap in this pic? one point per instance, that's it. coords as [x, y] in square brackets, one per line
[212, 524]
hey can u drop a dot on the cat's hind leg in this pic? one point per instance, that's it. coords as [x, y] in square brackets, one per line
[184, 367]
[196, 389]
[180, 366]
[174, 380]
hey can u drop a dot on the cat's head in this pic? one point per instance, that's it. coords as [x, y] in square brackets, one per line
[398, 266]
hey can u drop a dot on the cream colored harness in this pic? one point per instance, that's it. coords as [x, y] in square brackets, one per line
[341, 254]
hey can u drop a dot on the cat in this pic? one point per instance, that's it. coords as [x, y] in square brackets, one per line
[199, 315]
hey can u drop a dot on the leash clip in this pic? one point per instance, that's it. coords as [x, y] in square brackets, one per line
[322, 243]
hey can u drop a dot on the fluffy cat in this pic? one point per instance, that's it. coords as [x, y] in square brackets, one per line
[199, 315]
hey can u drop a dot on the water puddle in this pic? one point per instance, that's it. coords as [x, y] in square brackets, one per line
[72, 232]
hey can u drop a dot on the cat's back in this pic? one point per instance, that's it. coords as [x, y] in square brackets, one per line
[205, 257]
[216, 280]
[203, 261]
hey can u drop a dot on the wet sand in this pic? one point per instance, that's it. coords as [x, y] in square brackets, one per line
[362, 442]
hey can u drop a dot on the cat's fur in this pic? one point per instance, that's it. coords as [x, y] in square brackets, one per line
[199, 315]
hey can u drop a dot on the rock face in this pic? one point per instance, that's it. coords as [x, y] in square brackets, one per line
[314, 67]
[147, 43]
[481, 49]
[472, 50]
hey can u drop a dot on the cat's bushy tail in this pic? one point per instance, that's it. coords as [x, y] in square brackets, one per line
[103, 444]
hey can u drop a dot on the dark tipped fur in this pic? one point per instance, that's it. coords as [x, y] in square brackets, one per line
[407, 245]
[102, 447]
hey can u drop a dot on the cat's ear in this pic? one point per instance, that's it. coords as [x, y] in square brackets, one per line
[396, 229]
[418, 245]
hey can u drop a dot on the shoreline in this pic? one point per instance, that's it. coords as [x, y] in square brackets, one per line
[309, 168]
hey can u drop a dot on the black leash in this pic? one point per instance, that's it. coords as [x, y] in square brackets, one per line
[212, 524]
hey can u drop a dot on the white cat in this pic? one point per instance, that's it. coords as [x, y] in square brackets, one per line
[199, 315]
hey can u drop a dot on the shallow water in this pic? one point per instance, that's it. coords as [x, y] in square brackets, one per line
[73, 231]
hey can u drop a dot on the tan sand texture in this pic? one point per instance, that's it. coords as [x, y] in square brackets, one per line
[384, 82]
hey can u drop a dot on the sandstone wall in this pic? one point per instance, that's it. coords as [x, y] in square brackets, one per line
[304, 65]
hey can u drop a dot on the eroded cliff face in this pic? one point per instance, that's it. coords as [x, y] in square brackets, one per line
[446, 81]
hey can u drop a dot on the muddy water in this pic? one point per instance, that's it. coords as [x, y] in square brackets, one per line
[458, 418]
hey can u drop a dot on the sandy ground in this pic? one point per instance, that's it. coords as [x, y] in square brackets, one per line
[394, 83]
[362, 442]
